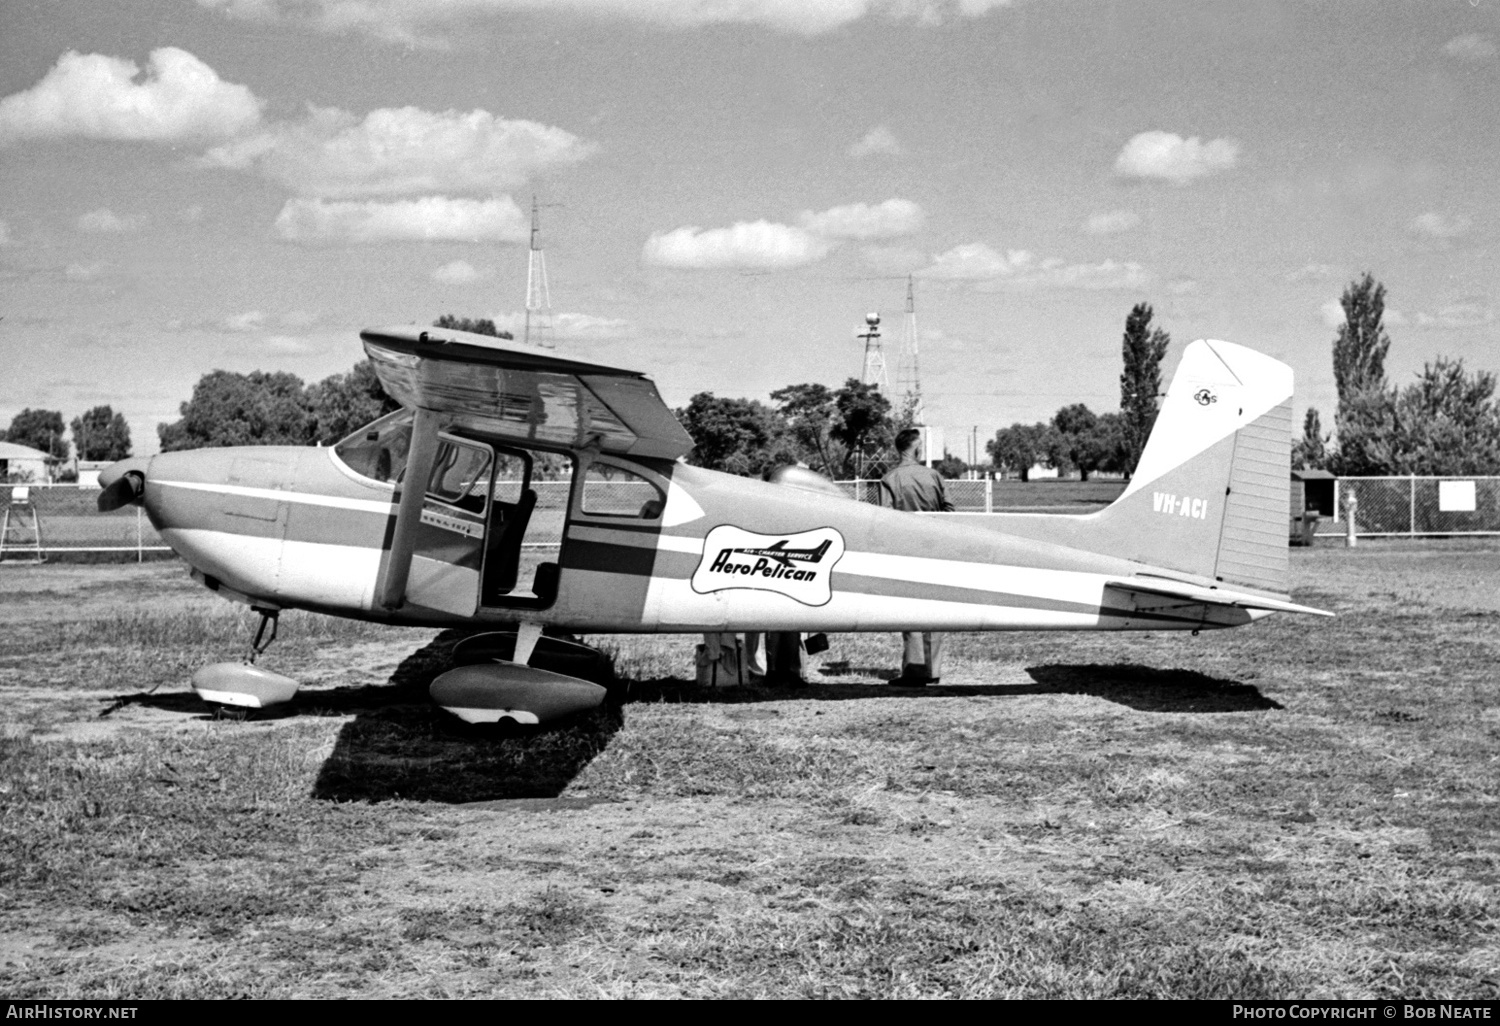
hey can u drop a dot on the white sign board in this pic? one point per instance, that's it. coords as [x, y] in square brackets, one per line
[1456, 496]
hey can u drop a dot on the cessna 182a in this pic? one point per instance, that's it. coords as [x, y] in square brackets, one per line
[421, 518]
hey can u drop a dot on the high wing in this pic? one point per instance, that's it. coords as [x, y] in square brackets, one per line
[523, 393]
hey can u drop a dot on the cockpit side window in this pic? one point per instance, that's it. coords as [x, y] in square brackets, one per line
[378, 450]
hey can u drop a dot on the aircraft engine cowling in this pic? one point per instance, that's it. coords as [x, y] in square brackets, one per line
[490, 692]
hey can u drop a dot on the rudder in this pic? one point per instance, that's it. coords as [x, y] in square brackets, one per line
[1209, 497]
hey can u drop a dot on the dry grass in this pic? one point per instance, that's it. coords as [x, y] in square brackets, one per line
[1295, 809]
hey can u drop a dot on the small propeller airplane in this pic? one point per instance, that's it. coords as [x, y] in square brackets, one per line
[422, 518]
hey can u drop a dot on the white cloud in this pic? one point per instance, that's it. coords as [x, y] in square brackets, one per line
[82, 272]
[251, 320]
[407, 21]
[761, 244]
[864, 222]
[286, 345]
[987, 268]
[5, 236]
[191, 214]
[401, 151]
[1112, 222]
[97, 97]
[1312, 272]
[577, 327]
[428, 219]
[456, 272]
[1472, 47]
[878, 140]
[105, 222]
[1456, 316]
[1433, 225]
[1172, 158]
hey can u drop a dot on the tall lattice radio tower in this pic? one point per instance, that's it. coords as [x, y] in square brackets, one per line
[908, 366]
[538, 328]
[874, 371]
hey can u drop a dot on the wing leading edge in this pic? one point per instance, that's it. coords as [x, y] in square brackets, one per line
[524, 393]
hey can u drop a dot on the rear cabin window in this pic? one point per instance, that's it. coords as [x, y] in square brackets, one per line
[615, 492]
[378, 450]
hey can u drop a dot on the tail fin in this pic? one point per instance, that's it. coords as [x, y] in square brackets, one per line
[1209, 496]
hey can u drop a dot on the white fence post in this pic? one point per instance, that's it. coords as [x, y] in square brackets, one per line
[989, 495]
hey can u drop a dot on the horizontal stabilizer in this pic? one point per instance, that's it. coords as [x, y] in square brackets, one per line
[1210, 596]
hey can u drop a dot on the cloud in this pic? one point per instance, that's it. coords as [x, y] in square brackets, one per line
[1433, 225]
[397, 151]
[863, 222]
[878, 140]
[1171, 158]
[574, 327]
[437, 24]
[1472, 47]
[191, 214]
[988, 268]
[1457, 316]
[749, 244]
[251, 320]
[456, 272]
[428, 219]
[105, 222]
[1112, 222]
[5, 237]
[82, 272]
[1312, 272]
[97, 97]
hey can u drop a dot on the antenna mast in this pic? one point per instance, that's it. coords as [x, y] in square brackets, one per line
[874, 372]
[538, 298]
[908, 367]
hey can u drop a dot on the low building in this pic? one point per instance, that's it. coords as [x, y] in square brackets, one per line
[23, 463]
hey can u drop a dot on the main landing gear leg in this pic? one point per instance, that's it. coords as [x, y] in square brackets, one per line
[261, 642]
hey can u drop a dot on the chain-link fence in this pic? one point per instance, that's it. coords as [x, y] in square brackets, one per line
[1415, 506]
[50, 519]
[988, 495]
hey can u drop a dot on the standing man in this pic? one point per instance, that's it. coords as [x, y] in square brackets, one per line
[916, 489]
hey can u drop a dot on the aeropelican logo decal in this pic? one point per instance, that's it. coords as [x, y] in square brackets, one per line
[799, 566]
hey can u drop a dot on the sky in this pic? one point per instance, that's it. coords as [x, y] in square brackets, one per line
[727, 187]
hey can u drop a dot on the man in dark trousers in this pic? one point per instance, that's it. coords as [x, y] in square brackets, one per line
[916, 489]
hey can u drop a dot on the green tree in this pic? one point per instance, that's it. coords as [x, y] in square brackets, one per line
[39, 429]
[1446, 423]
[1310, 452]
[1365, 420]
[258, 408]
[1084, 441]
[950, 466]
[479, 326]
[1359, 348]
[1143, 348]
[101, 434]
[865, 427]
[343, 403]
[737, 436]
[810, 413]
[1018, 448]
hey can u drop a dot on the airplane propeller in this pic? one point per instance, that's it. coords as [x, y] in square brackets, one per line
[126, 488]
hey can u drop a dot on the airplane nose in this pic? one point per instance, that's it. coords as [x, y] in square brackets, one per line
[123, 482]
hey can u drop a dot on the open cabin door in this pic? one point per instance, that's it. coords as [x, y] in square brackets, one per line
[448, 550]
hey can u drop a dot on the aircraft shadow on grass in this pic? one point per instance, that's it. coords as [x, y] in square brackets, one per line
[399, 745]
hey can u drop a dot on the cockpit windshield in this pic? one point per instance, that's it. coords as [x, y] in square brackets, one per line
[378, 450]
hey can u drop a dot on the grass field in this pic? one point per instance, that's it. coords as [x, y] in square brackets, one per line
[1300, 808]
